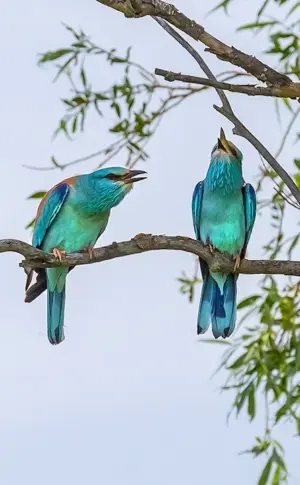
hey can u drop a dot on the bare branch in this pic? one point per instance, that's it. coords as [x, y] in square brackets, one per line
[34, 258]
[226, 110]
[166, 11]
[197, 58]
[292, 91]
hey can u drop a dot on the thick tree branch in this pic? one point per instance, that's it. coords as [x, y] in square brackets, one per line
[34, 258]
[166, 11]
[292, 91]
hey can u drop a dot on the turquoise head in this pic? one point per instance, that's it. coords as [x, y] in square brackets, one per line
[105, 188]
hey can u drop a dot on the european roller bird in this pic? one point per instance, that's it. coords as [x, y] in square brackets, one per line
[71, 217]
[224, 210]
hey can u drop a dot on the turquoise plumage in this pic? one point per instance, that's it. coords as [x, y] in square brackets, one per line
[70, 218]
[224, 210]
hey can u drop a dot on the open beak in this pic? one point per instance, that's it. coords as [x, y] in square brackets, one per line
[223, 143]
[133, 176]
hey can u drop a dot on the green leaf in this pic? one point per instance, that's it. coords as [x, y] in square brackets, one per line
[282, 411]
[293, 245]
[80, 45]
[262, 8]
[63, 67]
[30, 224]
[287, 102]
[83, 77]
[293, 9]
[297, 179]
[276, 477]
[117, 60]
[298, 355]
[116, 108]
[55, 162]
[251, 402]
[257, 25]
[278, 460]
[101, 97]
[78, 100]
[224, 4]
[37, 195]
[248, 301]
[74, 125]
[53, 55]
[297, 162]
[266, 472]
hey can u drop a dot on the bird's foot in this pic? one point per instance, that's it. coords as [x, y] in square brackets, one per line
[237, 262]
[211, 248]
[91, 252]
[58, 253]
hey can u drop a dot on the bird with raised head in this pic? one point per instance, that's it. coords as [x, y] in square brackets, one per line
[224, 210]
[71, 217]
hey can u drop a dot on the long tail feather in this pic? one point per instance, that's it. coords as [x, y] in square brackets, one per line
[224, 308]
[55, 316]
[217, 308]
[204, 313]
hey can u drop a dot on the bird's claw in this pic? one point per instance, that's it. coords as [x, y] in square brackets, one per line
[237, 262]
[58, 253]
[211, 248]
[91, 252]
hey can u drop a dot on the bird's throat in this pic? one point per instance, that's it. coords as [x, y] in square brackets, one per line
[224, 176]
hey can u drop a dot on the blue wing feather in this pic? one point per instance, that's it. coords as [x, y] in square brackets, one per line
[250, 213]
[48, 213]
[196, 207]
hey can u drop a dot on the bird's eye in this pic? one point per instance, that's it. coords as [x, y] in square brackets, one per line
[113, 176]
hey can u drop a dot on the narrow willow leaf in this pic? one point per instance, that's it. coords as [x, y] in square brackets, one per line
[257, 25]
[266, 472]
[276, 477]
[251, 402]
[37, 195]
[248, 301]
[53, 55]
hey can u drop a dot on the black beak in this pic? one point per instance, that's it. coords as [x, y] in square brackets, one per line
[220, 146]
[132, 176]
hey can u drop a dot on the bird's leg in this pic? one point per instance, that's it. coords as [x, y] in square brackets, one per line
[58, 253]
[91, 252]
[237, 262]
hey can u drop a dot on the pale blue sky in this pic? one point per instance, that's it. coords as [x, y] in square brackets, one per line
[127, 398]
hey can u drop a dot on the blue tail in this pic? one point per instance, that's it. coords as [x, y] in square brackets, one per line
[55, 316]
[216, 308]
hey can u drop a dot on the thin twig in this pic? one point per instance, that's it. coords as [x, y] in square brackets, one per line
[249, 89]
[196, 56]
